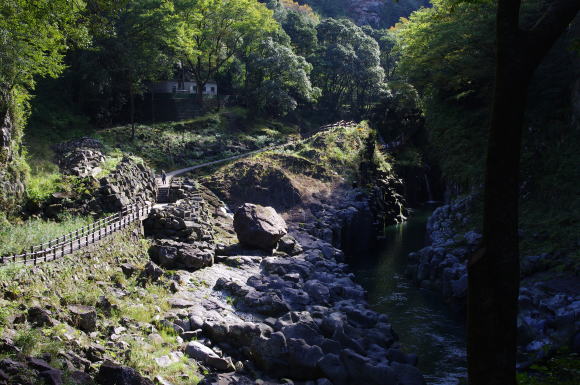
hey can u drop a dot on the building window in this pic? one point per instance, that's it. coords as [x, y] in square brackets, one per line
[212, 90]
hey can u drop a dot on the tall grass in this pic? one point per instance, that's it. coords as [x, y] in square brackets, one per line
[17, 237]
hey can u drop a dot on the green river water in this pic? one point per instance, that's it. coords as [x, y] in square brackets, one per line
[425, 324]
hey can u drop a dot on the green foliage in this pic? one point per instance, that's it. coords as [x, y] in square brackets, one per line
[209, 137]
[205, 43]
[299, 23]
[27, 340]
[347, 67]
[17, 237]
[34, 37]
[279, 79]
[42, 186]
[446, 52]
[562, 369]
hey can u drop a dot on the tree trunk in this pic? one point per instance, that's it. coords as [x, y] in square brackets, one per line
[132, 110]
[494, 272]
[199, 93]
[152, 106]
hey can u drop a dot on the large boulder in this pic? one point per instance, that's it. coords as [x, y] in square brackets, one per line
[83, 317]
[259, 226]
[204, 354]
[113, 374]
[178, 255]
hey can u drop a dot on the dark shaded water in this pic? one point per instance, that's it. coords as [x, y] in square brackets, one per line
[425, 324]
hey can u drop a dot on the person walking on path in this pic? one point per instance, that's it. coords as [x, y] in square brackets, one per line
[163, 176]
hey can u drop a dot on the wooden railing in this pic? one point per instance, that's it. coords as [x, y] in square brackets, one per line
[86, 235]
[342, 123]
[96, 231]
[172, 174]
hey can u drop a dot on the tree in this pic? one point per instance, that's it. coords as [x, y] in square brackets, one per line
[386, 40]
[210, 33]
[34, 35]
[278, 79]
[446, 53]
[347, 67]
[494, 270]
[135, 50]
[302, 31]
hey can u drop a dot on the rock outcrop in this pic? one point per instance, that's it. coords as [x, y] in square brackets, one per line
[262, 184]
[181, 255]
[130, 183]
[183, 230]
[11, 171]
[548, 303]
[259, 226]
[80, 157]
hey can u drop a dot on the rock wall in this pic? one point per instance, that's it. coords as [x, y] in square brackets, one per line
[345, 220]
[11, 173]
[80, 157]
[263, 184]
[130, 183]
[549, 302]
[183, 230]
[366, 11]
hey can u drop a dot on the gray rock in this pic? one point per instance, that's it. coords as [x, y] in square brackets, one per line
[204, 354]
[40, 317]
[52, 377]
[303, 359]
[180, 303]
[259, 226]
[179, 255]
[152, 273]
[113, 374]
[271, 353]
[333, 368]
[83, 317]
[289, 245]
[171, 358]
[318, 292]
[407, 374]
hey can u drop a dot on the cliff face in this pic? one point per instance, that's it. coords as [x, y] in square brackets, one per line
[367, 11]
[11, 175]
[382, 13]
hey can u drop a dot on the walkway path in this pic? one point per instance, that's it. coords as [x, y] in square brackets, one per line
[92, 233]
[174, 173]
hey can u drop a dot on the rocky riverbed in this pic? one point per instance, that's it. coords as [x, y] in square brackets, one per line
[549, 301]
[291, 312]
[253, 295]
[282, 308]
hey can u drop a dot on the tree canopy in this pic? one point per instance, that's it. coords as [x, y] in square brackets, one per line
[347, 66]
[209, 33]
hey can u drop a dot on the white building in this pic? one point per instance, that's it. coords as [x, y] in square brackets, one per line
[182, 87]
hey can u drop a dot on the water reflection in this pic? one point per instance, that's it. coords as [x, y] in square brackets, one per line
[425, 324]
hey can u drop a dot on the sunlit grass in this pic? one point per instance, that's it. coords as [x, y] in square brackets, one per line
[15, 238]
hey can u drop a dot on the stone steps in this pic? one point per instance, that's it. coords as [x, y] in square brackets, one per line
[163, 195]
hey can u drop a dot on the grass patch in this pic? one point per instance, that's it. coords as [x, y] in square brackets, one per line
[82, 278]
[15, 238]
[562, 369]
[210, 137]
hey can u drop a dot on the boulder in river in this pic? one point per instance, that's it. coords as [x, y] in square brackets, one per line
[259, 226]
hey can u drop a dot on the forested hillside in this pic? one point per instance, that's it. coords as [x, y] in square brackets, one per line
[275, 178]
